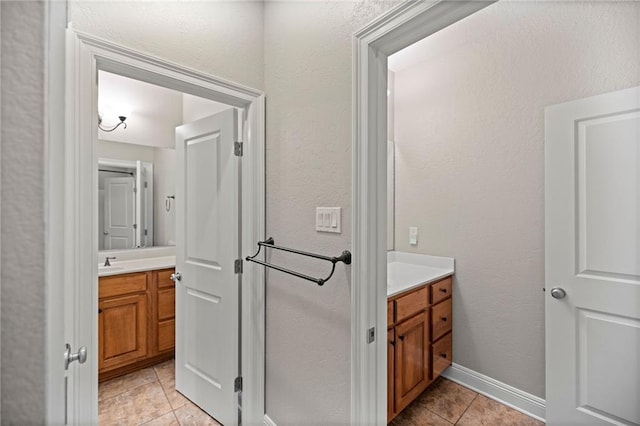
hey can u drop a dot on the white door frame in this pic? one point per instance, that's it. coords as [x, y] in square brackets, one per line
[86, 55]
[393, 31]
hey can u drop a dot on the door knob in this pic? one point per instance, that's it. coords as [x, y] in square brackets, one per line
[558, 293]
[175, 277]
[80, 356]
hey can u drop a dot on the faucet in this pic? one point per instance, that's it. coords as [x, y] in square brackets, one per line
[107, 259]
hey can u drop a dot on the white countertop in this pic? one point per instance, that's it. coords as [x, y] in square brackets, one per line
[406, 271]
[136, 265]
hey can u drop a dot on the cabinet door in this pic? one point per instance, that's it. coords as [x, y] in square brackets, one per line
[411, 359]
[390, 374]
[122, 331]
[166, 308]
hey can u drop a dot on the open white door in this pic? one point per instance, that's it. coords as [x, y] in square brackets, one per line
[207, 237]
[119, 213]
[592, 241]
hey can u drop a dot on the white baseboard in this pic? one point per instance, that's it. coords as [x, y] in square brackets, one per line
[268, 421]
[517, 399]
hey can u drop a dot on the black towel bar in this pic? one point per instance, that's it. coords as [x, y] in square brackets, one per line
[344, 257]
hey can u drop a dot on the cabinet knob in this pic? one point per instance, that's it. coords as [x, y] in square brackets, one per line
[443, 319]
[99, 311]
[442, 290]
[401, 338]
[443, 355]
[392, 342]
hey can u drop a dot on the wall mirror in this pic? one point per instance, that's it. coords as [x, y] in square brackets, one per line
[136, 167]
[125, 204]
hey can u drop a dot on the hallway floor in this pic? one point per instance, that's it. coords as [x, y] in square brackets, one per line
[148, 397]
[446, 403]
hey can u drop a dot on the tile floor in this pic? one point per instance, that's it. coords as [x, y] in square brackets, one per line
[148, 397]
[446, 403]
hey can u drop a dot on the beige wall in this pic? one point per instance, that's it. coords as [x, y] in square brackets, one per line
[469, 129]
[308, 83]
[22, 59]
[223, 38]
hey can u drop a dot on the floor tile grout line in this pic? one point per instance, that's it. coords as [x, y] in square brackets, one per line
[164, 392]
[127, 389]
[466, 409]
[438, 415]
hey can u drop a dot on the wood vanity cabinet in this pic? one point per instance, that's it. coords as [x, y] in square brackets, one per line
[136, 321]
[419, 344]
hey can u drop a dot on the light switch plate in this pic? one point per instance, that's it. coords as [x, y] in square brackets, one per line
[329, 219]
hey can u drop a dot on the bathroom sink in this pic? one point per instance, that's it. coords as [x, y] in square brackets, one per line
[112, 268]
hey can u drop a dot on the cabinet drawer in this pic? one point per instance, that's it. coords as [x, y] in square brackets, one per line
[440, 290]
[166, 335]
[411, 304]
[164, 278]
[389, 313]
[119, 285]
[442, 355]
[166, 303]
[440, 319]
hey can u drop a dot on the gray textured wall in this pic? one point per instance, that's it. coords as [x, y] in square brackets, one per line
[469, 128]
[308, 81]
[223, 38]
[22, 230]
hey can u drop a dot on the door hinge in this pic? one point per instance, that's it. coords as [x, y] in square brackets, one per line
[135, 190]
[238, 266]
[146, 232]
[237, 384]
[146, 184]
[237, 149]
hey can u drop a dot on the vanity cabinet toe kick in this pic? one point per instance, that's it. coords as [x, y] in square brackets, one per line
[419, 342]
[136, 321]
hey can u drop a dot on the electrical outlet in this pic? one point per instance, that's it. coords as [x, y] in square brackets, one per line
[413, 235]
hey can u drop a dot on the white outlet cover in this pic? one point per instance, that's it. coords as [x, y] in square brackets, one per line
[413, 235]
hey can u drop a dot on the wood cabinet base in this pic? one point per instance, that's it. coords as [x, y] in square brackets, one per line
[136, 322]
[138, 365]
[419, 344]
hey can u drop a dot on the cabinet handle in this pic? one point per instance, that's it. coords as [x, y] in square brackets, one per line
[443, 355]
[99, 311]
[442, 290]
[393, 342]
[443, 319]
[401, 338]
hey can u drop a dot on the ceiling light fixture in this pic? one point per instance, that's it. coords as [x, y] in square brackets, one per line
[122, 119]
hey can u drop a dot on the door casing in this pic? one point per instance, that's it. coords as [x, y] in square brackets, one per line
[372, 45]
[77, 181]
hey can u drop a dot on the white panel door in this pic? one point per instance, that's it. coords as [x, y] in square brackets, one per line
[207, 237]
[119, 213]
[592, 241]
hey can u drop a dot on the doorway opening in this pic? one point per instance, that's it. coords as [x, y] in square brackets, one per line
[149, 200]
[520, 131]
[137, 170]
